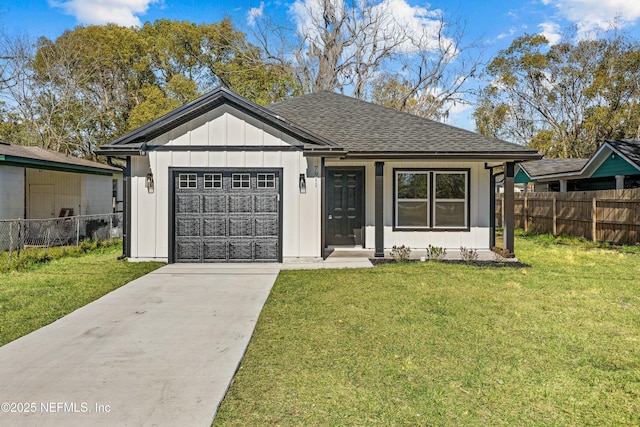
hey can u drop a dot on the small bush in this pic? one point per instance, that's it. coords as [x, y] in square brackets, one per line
[400, 253]
[468, 254]
[436, 253]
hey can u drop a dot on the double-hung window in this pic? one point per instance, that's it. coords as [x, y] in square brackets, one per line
[412, 199]
[431, 199]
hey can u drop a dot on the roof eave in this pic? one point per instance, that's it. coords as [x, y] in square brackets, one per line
[56, 166]
[475, 156]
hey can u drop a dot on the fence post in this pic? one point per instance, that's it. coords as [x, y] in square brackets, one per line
[110, 226]
[555, 215]
[594, 220]
[10, 244]
[77, 231]
[524, 213]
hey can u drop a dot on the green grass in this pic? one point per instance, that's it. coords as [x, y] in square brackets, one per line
[557, 343]
[47, 291]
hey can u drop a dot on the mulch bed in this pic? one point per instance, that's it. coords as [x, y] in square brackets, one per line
[496, 264]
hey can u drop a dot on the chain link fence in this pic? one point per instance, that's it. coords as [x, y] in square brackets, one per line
[17, 234]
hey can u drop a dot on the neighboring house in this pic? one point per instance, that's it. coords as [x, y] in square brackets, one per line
[616, 165]
[222, 179]
[36, 183]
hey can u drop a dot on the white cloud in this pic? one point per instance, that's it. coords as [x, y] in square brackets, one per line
[551, 31]
[511, 32]
[99, 12]
[255, 13]
[591, 15]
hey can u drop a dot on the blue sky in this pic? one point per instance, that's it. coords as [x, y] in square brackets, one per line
[494, 22]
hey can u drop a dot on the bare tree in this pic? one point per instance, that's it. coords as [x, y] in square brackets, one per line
[364, 49]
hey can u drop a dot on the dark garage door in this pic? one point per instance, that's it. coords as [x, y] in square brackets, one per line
[226, 216]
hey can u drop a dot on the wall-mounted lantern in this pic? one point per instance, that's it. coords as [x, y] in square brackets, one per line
[148, 182]
[302, 183]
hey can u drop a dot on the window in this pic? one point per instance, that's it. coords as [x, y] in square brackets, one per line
[450, 199]
[240, 180]
[412, 199]
[212, 180]
[266, 180]
[187, 180]
[431, 199]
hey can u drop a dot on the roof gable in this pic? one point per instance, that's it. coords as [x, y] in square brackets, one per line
[628, 151]
[135, 141]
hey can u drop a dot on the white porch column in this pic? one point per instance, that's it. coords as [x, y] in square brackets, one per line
[563, 185]
[619, 182]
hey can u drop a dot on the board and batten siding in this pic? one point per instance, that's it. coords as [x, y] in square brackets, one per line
[11, 192]
[221, 127]
[477, 237]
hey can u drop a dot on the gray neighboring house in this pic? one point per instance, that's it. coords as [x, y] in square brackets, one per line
[36, 183]
[222, 179]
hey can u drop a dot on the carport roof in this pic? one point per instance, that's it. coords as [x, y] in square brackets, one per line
[40, 158]
[329, 124]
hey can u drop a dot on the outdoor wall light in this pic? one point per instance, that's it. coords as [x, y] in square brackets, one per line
[302, 183]
[148, 182]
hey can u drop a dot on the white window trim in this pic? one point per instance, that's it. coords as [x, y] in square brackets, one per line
[185, 180]
[212, 180]
[238, 179]
[267, 179]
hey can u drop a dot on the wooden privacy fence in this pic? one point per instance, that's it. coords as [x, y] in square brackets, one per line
[605, 216]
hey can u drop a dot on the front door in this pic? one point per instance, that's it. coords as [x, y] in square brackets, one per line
[345, 205]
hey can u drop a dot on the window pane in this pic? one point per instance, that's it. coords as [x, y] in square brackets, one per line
[413, 186]
[412, 214]
[240, 180]
[450, 186]
[450, 214]
[188, 180]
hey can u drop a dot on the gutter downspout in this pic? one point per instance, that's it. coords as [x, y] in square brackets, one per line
[126, 172]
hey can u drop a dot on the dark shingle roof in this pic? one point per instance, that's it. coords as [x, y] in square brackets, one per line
[545, 167]
[627, 147]
[39, 156]
[360, 126]
[336, 125]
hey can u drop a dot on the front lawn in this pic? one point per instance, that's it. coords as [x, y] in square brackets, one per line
[45, 292]
[557, 343]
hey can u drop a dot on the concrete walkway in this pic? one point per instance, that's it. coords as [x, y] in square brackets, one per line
[160, 351]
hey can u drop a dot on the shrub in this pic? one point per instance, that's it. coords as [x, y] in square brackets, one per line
[400, 253]
[468, 254]
[436, 253]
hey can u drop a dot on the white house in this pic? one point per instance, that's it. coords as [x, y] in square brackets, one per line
[222, 179]
[36, 183]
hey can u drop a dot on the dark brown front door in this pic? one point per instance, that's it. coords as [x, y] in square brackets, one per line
[345, 207]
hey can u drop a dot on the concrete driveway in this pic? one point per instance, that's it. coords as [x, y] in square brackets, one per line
[160, 351]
